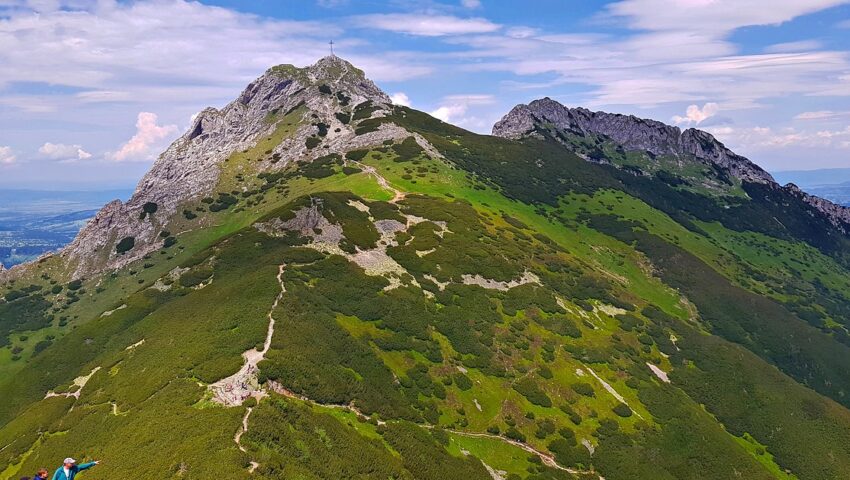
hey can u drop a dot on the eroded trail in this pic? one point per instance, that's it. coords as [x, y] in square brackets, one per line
[235, 389]
[546, 458]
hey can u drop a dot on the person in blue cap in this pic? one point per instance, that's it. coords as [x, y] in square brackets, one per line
[70, 469]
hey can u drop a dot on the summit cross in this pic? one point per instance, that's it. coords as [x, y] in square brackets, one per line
[331, 43]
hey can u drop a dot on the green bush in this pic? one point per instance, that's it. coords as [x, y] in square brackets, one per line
[196, 276]
[623, 410]
[530, 390]
[343, 117]
[125, 245]
[583, 389]
[312, 142]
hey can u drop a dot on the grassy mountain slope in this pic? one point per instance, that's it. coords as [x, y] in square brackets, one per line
[440, 304]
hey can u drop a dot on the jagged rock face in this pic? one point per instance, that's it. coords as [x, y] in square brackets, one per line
[189, 169]
[631, 132]
[837, 214]
[635, 133]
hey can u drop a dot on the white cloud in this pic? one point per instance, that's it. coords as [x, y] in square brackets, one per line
[521, 32]
[471, 4]
[426, 25]
[651, 68]
[149, 51]
[149, 136]
[713, 16]
[696, 115]
[821, 115]
[63, 152]
[752, 139]
[799, 46]
[7, 156]
[453, 108]
[400, 98]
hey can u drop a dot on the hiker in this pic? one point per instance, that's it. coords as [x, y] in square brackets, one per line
[41, 474]
[70, 469]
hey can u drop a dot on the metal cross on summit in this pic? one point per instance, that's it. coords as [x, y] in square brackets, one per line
[331, 43]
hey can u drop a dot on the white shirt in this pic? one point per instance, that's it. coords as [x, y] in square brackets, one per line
[67, 472]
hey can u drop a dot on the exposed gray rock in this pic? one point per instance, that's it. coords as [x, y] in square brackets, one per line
[837, 214]
[189, 169]
[631, 132]
[635, 133]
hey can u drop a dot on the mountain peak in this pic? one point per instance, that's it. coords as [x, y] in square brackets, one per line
[633, 133]
[316, 102]
[331, 70]
[545, 116]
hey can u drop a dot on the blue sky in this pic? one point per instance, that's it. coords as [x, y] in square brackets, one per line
[92, 91]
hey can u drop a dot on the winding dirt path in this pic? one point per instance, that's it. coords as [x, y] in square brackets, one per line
[235, 389]
[546, 458]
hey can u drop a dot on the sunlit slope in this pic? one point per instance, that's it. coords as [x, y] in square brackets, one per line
[488, 307]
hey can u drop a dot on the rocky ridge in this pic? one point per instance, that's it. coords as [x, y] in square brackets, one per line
[652, 136]
[190, 168]
[631, 132]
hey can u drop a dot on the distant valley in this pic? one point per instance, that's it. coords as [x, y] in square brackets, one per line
[830, 183]
[33, 222]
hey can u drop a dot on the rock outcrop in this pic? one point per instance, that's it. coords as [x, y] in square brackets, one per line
[652, 136]
[631, 132]
[190, 168]
[838, 214]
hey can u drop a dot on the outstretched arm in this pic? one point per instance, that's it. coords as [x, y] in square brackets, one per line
[85, 466]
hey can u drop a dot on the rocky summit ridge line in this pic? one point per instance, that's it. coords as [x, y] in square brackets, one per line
[190, 168]
[657, 138]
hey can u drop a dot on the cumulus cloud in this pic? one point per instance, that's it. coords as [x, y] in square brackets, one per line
[63, 152]
[149, 136]
[696, 115]
[400, 98]
[454, 108]
[426, 25]
[7, 156]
